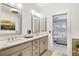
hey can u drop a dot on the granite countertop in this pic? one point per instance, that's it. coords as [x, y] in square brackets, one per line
[6, 44]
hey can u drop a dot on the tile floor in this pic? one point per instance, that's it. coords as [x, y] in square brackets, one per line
[59, 48]
[53, 53]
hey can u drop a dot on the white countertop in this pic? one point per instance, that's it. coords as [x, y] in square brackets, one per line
[75, 36]
[5, 43]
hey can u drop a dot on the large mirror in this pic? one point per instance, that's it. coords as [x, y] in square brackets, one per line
[10, 19]
[35, 24]
[43, 24]
[39, 24]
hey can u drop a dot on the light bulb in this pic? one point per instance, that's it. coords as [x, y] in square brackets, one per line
[33, 12]
[19, 5]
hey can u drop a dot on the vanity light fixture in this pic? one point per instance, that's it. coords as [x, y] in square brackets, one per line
[14, 10]
[35, 13]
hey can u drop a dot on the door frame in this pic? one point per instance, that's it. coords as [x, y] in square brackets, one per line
[69, 40]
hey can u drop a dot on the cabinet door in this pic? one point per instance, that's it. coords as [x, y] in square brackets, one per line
[27, 51]
[43, 45]
[17, 54]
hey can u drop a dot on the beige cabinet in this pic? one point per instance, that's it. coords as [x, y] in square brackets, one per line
[17, 54]
[16, 50]
[27, 51]
[32, 48]
[36, 47]
[43, 44]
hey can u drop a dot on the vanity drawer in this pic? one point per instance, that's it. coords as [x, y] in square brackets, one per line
[36, 47]
[9, 51]
[12, 50]
[35, 42]
[28, 44]
[36, 52]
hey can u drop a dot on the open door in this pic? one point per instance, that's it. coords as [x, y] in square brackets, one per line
[61, 33]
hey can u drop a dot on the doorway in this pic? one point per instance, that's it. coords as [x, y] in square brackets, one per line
[60, 33]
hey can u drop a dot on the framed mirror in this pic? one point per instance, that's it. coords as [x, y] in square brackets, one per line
[43, 24]
[35, 23]
[10, 19]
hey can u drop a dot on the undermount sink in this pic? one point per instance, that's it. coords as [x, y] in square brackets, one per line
[4, 41]
[14, 39]
[7, 41]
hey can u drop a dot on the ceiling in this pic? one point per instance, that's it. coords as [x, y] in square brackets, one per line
[42, 4]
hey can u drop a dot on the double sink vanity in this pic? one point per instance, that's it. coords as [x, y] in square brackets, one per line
[11, 23]
[34, 46]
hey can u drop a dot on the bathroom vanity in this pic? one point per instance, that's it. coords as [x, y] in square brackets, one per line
[35, 46]
[75, 46]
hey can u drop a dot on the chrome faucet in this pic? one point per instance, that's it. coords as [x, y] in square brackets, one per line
[12, 38]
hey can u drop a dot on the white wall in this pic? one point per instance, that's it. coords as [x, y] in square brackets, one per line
[26, 19]
[50, 9]
[72, 7]
[6, 14]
